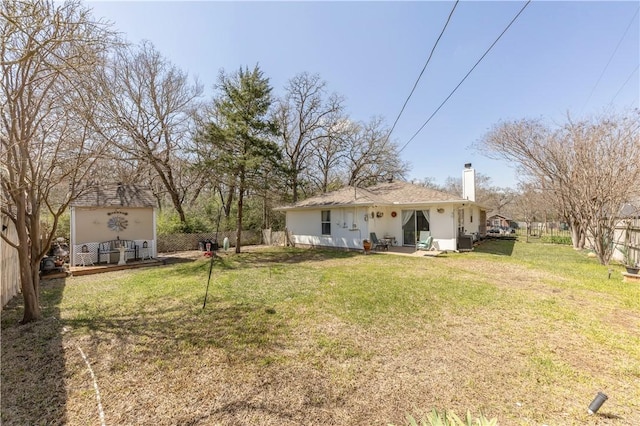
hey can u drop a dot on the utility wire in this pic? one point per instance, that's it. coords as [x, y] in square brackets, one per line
[610, 58]
[422, 72]
[465, 77]
[625, 83]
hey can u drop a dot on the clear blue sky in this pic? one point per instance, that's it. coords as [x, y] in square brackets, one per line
[557, 58]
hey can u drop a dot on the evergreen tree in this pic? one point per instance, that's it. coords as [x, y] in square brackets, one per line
[238, 142]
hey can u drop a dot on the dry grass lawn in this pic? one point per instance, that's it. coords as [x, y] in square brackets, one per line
[526, 333]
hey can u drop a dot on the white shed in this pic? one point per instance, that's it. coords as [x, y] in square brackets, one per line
[108, 213]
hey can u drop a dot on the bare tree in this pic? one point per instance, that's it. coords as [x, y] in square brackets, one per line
[150, 104]
[370, 158]
[528, 204]
[303, 115]
[427, 182]
[590, 167]
[50, 53]
[493, 197]
[327, 154]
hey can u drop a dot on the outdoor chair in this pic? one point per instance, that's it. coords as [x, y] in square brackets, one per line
[377, 244]
[425, 241]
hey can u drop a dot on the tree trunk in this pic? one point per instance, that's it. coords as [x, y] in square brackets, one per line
[29, 283]
[294, 188]
[239, 223]
[577, 236]
[177, 204]
[227, 203]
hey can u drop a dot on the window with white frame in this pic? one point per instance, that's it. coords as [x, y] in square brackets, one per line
[325, 221]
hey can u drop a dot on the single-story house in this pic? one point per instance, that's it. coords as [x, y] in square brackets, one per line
[497, 220]
[108, 217]
[396, 211]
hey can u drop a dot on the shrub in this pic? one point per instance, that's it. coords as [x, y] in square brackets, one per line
[169, 223]
[449, 418]
[557, 239]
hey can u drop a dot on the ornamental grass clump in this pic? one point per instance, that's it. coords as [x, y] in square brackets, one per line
[449, 418]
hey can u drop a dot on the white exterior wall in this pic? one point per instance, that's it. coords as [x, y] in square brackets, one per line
[444, 227]
[89, 226]
[382, 223]
[472, 220]
[306, 226]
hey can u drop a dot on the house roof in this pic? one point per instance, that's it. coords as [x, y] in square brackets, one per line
[630, 210]
[388, 193]
[494, 214]
[116, 195]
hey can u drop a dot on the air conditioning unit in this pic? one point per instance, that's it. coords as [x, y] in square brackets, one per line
[465, 242]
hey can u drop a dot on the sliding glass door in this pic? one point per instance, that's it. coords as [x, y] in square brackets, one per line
[414, 221]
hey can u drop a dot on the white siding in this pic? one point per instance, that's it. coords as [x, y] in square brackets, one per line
[349, 226]
[444, 227]
[305, 228]
[9, 267]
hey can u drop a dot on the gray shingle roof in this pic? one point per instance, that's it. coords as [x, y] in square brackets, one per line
[399, 192]
[630, 210]
[388, 193]
[116, 195]
[495, 213]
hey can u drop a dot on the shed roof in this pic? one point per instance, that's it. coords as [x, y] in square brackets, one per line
[116, 195]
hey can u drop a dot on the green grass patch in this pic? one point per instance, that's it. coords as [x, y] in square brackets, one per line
[556, 239]
[524, 332]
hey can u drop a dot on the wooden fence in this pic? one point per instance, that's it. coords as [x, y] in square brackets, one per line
[632, 227]
[183, 242]
[9, 267]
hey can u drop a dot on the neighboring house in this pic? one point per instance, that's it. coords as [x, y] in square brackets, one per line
[113, 212]
[395, 210]
[496, 220]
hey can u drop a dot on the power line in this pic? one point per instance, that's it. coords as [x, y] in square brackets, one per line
[465, 77]
[610, 58]
[625, 83]
[422, 72]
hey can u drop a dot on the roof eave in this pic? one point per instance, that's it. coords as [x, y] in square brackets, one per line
[372, 204]
[324, 206]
